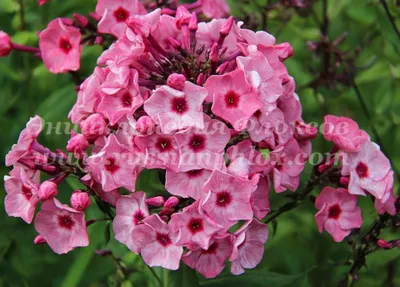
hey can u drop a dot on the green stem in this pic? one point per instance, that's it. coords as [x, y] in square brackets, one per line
[155, 275]
[165, 278]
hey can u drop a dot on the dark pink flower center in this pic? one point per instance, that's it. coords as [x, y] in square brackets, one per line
[110, 165]
[197, 142]
[179, 105]
[121, 14]
[258, 114]
[65, 221]
[194, 173]
[65, 45]
[195, 225]
[232, 99]
[362, 170]
[163, 239]
[334, 211]
[163, 144]
[126, 100]
[138, 217]
[212, 249]
[27, 192]
[223, 199]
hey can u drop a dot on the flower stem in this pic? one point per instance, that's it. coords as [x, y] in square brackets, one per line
[155, 275]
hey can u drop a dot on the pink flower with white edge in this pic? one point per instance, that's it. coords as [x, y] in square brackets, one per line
[261, 77]
[130, 212]
[62, 227]
[162, 151]
[187, 184]
[287, 163]
[338, 212]
[115, 13]
[26, 139]
[115, 166]
[226, 198]
[22, 194]
[156, 243]
[260, 199]
[233, 98]
[210, 262]
[175, 110]
[60, 47]
[248, 246]
[5, 44]
[89, 96]
[125, 102]
[203, 148]
[80, 200]
[193, 226]
[344, 133]
[215, 9]
[369, 170]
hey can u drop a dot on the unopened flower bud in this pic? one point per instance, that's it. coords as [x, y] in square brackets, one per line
[214, 54]
[193, 23]
[98, 40]
[145, 125]
[304, 132]
[5, 44]
[80, 200]
[93, 127]
[226, 28]
[47, 190]
[167, 211]
[81, 20]
[95, 16]
[176, 81]
[200, 80]
[172, 202]
[78, 144]
[344, 180]
[39, 240]
[285, 51]
[383, 244]
[182, 17]
[157, 201]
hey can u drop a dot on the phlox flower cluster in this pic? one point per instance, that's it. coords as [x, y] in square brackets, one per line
[211, 107]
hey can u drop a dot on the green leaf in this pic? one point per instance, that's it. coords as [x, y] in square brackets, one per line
[183, 277]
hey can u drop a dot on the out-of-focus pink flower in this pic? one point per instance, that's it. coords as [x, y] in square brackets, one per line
[115, 13]
[215, 9]
[248, 246]
[210, 262]
[187, 184]
[47, 190]
[156, 243]
[62, 227]
[131, 211]
[5, 44]
[338, 212]
[115, 166]
[176, 110]
[80, 200]
[233, 98]
[226, 198]
[369, 170]
[60, 47]
[203, 148]
[22, 194]
[193, 226]
[25, 141]
[344, 133]
[42, 2]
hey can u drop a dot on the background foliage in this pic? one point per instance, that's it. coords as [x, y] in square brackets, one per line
[296, 255]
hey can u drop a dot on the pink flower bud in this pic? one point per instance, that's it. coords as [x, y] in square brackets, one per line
[80, 200]
[226, 28]
[182, 17]
[39, 240]
[93, 127]
[167, 11]
[145, 125]
[5, 44]
[81, 20]
[176, 81]
[42, 2]
[285, 51]
[383, 244]
[304, 132]
[47, 190]
[193, 23]
[214, 54]
[95, 16]
[164, 218]
[344, 181]
[172, 202]
[157, 201]
[200, 80]
[78, 144]
[167, 211]
[99, 40]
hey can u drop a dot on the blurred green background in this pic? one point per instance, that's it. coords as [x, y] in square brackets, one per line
[296, 255]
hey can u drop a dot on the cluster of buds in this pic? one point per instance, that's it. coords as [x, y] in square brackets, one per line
[201, 103]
